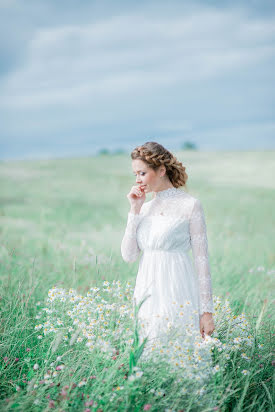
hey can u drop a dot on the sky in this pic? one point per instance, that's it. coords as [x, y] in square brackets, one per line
[76, 77]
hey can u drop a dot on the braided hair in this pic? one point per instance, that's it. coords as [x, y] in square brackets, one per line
[155, 155]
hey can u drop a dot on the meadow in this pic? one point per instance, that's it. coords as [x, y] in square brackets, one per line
[61, 225]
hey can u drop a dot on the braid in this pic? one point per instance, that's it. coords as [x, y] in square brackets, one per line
[155, 155]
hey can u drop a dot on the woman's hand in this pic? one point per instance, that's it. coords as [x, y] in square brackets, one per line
[136, 197]
[206, 324]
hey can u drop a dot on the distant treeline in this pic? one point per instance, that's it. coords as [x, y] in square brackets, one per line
[187, 145]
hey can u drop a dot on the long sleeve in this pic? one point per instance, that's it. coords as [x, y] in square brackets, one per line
[129, 247]
[199, 246]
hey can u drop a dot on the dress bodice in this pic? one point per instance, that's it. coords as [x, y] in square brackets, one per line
[164, 222]
[163, 233]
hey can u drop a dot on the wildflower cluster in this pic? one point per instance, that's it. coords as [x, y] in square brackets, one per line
[137, 374]
[99, 323]
[184, 348]
[103, 321]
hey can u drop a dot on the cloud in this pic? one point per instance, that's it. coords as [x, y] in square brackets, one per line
[147, 67]
[127, 54]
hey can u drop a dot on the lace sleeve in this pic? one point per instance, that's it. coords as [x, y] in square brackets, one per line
[129, 247]
[199, 246]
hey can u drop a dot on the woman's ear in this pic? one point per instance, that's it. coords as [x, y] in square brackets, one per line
[163, 171]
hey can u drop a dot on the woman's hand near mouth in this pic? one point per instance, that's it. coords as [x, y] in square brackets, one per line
[136, 197]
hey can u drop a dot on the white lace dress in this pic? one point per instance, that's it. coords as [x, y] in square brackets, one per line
[177, 289]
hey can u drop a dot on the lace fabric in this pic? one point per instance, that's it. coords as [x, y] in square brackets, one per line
[173, 221]
[129, 247]
[199, 244]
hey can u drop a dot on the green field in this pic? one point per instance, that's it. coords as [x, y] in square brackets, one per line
[62, 222]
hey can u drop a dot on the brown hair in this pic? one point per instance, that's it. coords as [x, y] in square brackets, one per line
[155, 155]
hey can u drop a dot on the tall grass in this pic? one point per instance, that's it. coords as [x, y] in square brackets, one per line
[61, 225]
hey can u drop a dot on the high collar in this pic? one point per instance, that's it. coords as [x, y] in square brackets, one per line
[163, 194]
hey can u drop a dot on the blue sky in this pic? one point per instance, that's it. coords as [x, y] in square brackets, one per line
[79, 76]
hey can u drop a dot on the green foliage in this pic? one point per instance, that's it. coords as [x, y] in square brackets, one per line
[61, 223]
[104, 151]
[189, 146]
[137, 349]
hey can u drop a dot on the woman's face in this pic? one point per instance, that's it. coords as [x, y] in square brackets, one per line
[146, 176]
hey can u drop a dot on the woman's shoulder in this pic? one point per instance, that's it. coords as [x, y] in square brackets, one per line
[187, 198]
[191, 198]
[189, 204]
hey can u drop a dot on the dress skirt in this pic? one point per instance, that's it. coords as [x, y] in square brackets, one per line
[167, 281]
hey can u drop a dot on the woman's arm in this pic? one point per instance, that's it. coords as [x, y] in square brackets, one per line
[199, 246]
[129, 247]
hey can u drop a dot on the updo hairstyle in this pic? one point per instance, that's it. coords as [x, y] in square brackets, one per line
[155, 155]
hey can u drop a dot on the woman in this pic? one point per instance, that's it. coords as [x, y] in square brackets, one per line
[174, 289]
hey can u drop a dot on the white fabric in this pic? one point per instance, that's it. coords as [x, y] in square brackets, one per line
[165, 230]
